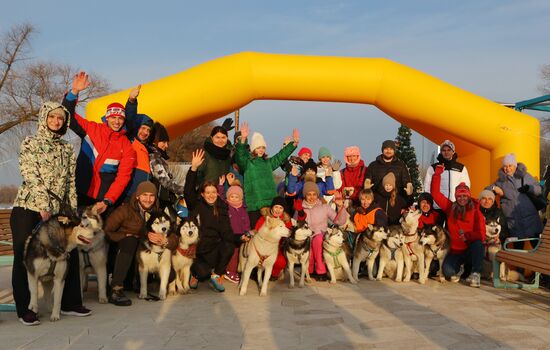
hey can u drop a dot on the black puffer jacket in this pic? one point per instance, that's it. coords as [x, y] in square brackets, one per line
[379, 168]
[215, 226]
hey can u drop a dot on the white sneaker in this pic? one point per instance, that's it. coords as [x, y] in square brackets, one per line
[456, 278]
[475, 280]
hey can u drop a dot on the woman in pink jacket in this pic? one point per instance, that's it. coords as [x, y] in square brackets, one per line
[318, 215]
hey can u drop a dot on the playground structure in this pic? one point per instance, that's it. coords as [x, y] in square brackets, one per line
[482, 130]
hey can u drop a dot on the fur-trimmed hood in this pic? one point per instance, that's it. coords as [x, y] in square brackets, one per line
[520, 172]
[43, 130]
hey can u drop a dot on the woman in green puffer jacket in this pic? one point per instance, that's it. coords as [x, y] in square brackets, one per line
[257, 169]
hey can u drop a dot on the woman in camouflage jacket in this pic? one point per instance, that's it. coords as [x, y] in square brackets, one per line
[47, 164]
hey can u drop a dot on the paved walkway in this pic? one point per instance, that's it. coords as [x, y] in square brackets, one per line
[321, 316]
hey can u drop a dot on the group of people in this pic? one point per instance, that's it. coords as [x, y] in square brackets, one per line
[122, 171]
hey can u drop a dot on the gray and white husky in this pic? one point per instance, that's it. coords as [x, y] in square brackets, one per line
[367, 247]
[391, 255]
[45, 257]
[297, 249]
[93, 253]
[153, 258]
[336, 258]
[435, 240]
[492, 244]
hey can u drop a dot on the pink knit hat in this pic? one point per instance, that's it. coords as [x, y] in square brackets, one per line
[351, 151]
[235, 190]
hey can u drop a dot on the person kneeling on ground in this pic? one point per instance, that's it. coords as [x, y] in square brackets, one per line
[466, 226]
[125, 227]
[216, 237]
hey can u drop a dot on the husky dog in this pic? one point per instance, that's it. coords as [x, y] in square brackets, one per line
[435, 241]
[153, 258]
[335, 256]
[93, 254]
[492, 245]
[261, 251]
[296, 249]
[45, 257]
[391, 255]
[367, 247]
[182, 258]
[413, 252]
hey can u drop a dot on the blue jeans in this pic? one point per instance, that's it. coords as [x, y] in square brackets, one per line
[472, 259]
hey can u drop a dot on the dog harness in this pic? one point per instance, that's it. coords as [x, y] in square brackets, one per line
[190, 252]
[392, 251]
[334, 254]
[304, 245]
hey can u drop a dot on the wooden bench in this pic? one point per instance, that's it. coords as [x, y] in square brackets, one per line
[6, 242]
[536, 259]
[6, 258]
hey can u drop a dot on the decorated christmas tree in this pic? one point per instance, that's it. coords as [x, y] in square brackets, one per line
[405, 152]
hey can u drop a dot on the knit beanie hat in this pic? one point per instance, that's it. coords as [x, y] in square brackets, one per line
[278, 201]
[146, 121]
[235, 189]
[352, 151]
[449, 144]
[310, 165]
[115, 109]
[389, 179]
[425, 196]
[462, 189]
[324, 152]
[310, 186]
[510, 159]
[257, 141]
[305, 150]
[388, 144]
[487, 194]
[161, 135]
[146, 187]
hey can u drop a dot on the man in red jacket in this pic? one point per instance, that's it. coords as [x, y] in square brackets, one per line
[106, 159]
[466, 225]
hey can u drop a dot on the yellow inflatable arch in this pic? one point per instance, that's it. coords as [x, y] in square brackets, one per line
[482, 130]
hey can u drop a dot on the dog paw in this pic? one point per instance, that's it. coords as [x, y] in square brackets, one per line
[291, 286]
[103, 300]
[442, 280]
[242, 293]
[301, 285]
[332, 282]
[263, 294]
[422, 280]
[172, 293]
[142, 296]
[162, 296]
[353, 281]
[407, 279]
[54, 318]
[399, 281]
[370, 278]
[183, 291]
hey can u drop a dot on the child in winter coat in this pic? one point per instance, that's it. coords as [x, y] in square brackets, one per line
[257, 168]
[391, 201]
[295, 185]
[277, 210]
[353, 175]
[368, 213]
[430, 216]
[240, 222]
[318, 216]
[325, 167]
[466, 226]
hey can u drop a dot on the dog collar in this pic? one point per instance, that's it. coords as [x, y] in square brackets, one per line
[190, 252]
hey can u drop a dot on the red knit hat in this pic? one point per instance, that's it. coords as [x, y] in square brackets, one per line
[115, 109]
[462, 189]
[304, 150]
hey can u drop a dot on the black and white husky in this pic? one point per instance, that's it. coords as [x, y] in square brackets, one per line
[93, 253]
[184, 255]
[367, 247]
[492, 244]
[297, 248]
[153, 258]
[45, 257]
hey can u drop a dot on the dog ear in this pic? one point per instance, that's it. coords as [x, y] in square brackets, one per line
[198, 218]
[178, 221]
[147, 216]
[498, 220]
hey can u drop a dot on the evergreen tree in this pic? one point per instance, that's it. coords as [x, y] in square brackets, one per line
[405, 151]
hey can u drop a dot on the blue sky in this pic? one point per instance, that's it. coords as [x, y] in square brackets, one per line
[491, 48]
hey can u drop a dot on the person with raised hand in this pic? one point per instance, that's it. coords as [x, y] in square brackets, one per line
[257, 168]
[106, 160]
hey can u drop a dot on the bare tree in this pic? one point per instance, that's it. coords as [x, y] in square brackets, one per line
[545, 76]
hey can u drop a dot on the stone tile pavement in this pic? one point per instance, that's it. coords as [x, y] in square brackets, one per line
[320, 316]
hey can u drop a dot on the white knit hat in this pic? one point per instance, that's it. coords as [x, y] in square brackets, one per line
[509, 159]
[449, 144]
[257, 141]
